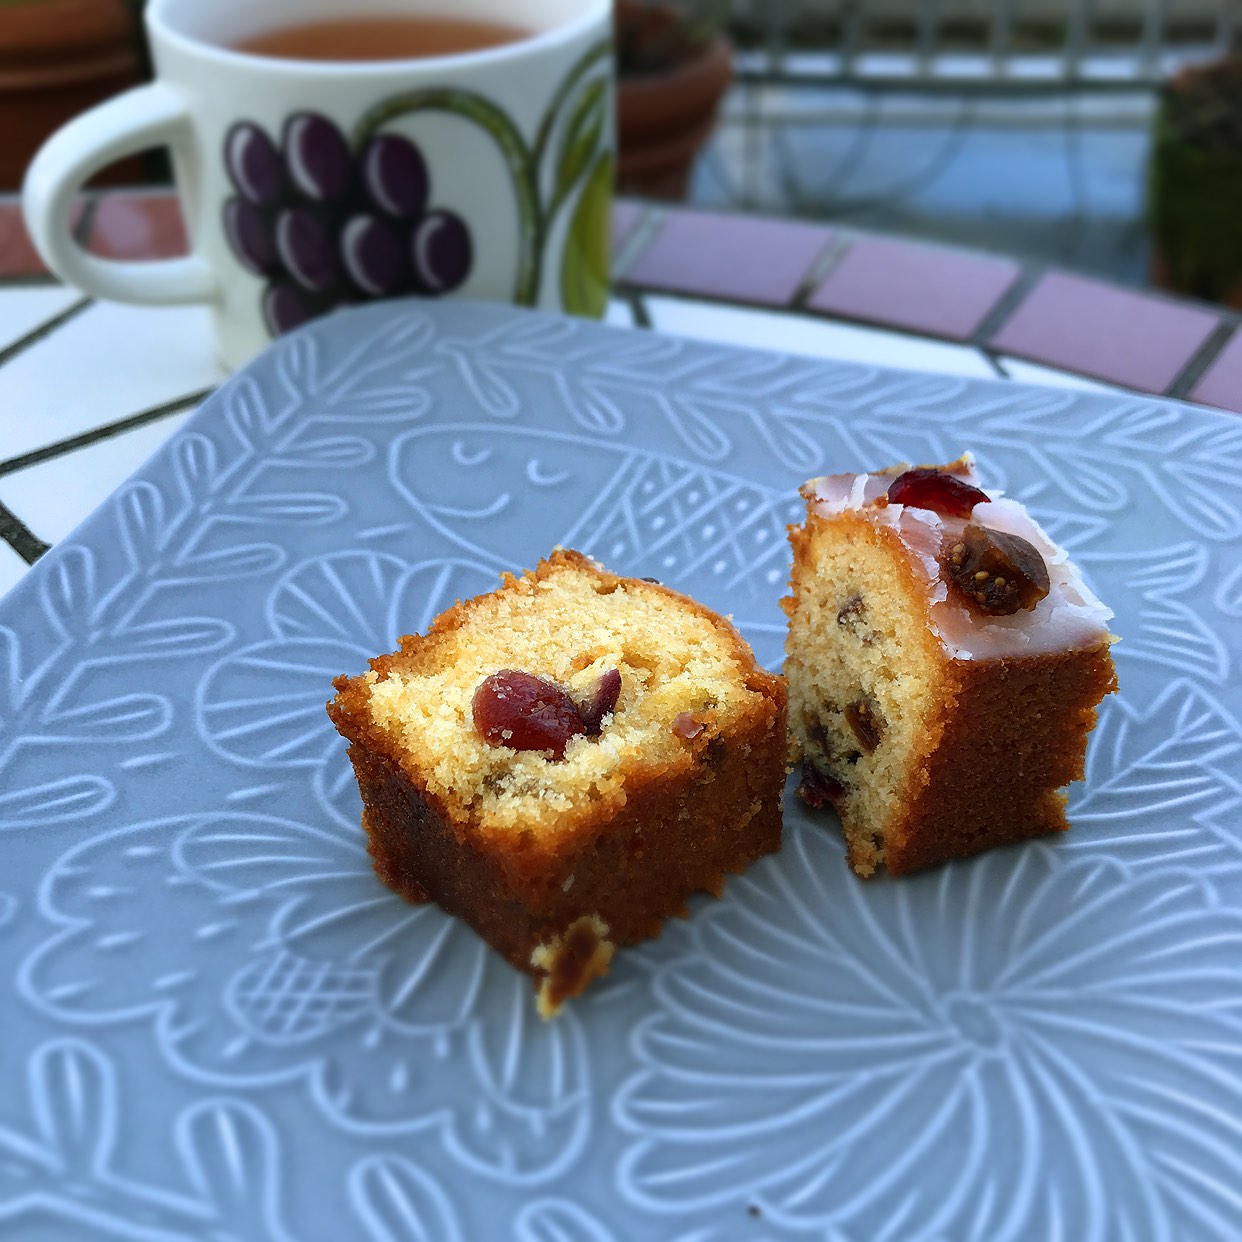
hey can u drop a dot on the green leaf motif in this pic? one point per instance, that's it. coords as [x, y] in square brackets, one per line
[584, 265]
[582, 135]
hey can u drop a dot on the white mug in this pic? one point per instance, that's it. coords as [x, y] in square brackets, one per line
[309, 184]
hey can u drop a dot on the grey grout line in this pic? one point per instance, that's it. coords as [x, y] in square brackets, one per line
[992, 360]
[1203, 357]
[46, 328]
[638, 308]
[821, 267]
[1010, 300]
[641, 236]
[30, 280]
[106, 432]
[86, 221]
[20, 537]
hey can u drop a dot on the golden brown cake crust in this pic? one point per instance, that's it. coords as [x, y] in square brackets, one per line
[684, 825]
[633, 871]
[993, 773]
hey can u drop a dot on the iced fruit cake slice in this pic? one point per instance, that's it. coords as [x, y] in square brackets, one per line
[944, 661]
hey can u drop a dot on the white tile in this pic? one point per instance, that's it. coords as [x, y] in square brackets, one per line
[12, 567]
[104, 364]
[619, 313]
[1032, 373]
[55, 496]
[23, 308]
[820, 338]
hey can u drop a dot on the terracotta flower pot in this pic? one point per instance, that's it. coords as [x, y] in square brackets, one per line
[665, 114]
[57, 58]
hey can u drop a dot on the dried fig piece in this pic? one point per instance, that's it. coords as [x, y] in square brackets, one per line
[867, 721]
[997, 573]
[925, 488]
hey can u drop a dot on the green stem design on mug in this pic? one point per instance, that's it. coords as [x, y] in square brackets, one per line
[584, 268]
[579, 147]
[582, 134]
[584, 64]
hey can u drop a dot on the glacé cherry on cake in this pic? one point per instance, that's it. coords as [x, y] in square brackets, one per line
[945, 659]
[564, 761]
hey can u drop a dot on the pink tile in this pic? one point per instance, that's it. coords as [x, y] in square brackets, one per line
[928, 289]
[625, 217]
[137, 226]
[18, 256]
[1221, 383]
[1114, 334]
[745, 258]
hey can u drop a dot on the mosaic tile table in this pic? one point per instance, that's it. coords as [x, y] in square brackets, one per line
[217, 1025]
[89, 390]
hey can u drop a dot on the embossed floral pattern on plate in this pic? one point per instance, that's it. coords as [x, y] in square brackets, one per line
[198, 958]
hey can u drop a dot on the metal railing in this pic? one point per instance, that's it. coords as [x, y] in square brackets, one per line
[1001, 46]
[826, 89]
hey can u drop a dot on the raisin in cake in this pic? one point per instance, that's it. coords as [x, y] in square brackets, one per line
[562, 762]
[944, 661]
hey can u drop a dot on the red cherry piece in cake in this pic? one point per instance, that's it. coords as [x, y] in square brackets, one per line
[994, 571]
[602, 702]
[517, 709]
[925, 488]
[687, 725]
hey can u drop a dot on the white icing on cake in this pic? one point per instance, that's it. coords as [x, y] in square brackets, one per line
[1067, 618]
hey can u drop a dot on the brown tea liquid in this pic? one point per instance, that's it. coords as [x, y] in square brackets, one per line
[380, 38]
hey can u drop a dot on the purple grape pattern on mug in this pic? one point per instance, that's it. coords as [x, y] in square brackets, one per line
[328, 228]
[328, 222]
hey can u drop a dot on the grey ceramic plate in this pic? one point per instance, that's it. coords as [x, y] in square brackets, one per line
[216, 1024]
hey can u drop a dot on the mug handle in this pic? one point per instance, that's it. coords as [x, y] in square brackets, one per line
[146, 116]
